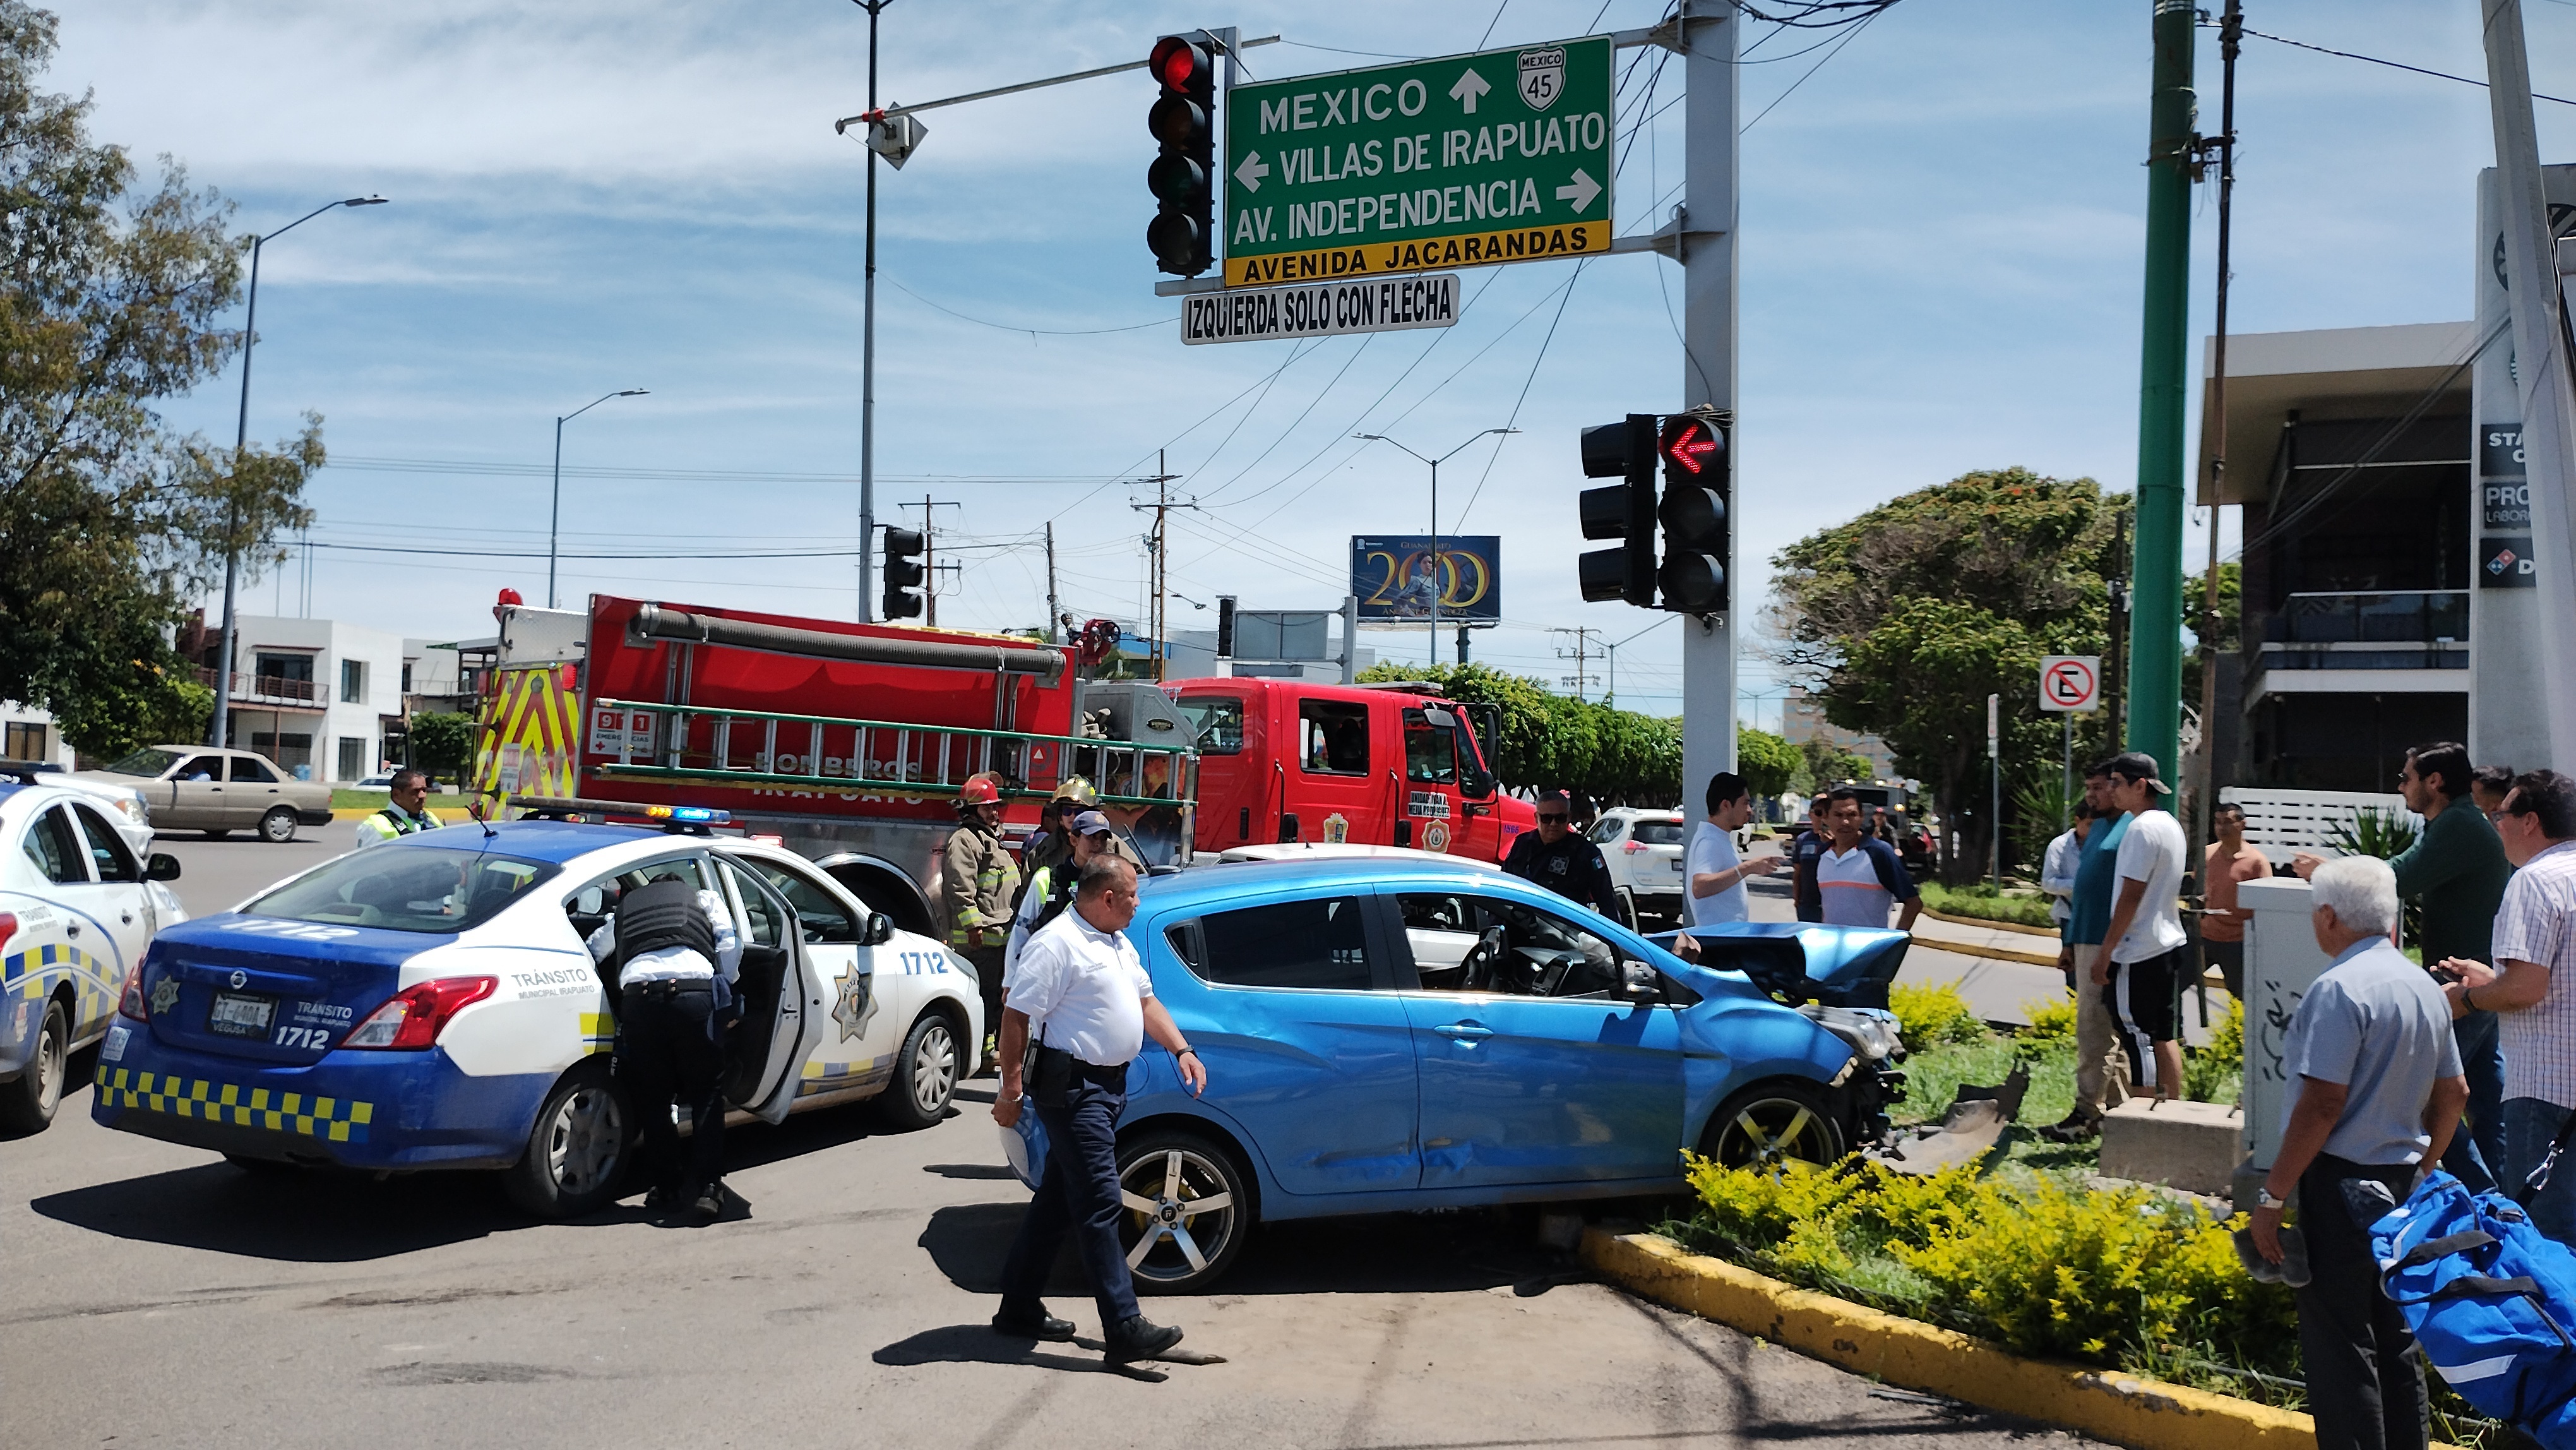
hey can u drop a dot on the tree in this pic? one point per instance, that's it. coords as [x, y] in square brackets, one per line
[441, 743]
[1911, 614]
[108, 522]
[1767, 762]
[1551, 742]
[1827, 762]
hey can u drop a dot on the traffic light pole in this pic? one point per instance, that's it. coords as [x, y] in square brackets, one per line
[1708, 258]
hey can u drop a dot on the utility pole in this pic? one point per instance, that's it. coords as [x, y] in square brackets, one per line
[2540, 367]
[1162, 507]
[1582, 651]
[929, 556]
[2231, 36]
[1706, 247]
[2155, 644]
[1055, 611]
[868, 380]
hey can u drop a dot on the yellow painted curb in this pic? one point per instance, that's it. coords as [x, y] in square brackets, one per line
[1976, 949]
[2143, 1413]
[2025, 928]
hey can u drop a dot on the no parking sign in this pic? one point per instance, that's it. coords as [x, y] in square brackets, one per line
[2070, 682]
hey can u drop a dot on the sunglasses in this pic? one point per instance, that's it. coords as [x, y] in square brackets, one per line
[1557, 816]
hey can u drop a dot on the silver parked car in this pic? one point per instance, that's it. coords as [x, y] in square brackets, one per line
[217, 791]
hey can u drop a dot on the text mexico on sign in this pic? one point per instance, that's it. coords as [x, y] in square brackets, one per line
[1462, 161]
[1329, 309]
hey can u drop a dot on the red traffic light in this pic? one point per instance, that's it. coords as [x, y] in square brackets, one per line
[1691, 445]
[1177, 63]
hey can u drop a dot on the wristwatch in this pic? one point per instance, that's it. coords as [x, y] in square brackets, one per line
[2263, 1199]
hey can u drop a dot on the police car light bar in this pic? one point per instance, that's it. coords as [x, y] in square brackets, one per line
[578, 809]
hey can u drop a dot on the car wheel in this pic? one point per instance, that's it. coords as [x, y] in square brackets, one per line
[1188, 1210]
[925, 1074]
[217, 835]
[1769, 1123]
[278, 826]
[27, 1105]
[578, 1150]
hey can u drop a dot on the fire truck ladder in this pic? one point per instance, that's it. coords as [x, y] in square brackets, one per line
[744, 747]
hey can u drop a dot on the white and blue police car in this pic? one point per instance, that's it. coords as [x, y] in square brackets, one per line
[429, 1003]
[78, 905]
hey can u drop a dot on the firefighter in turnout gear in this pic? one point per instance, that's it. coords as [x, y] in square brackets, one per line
[977, 883]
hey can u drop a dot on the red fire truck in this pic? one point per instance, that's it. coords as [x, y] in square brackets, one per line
[1383, 765]
[850, 742]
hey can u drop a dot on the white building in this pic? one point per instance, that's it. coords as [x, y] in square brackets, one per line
[27, 733]
[317, 696]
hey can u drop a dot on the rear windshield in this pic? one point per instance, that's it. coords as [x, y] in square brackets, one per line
[406, 890]
[1660, 833]
[146, 763]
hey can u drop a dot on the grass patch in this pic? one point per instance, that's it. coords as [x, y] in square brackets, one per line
[368, 800]
[1933, 1076]
[1983, 903]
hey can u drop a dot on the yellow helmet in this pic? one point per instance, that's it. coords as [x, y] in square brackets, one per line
[1076, 790]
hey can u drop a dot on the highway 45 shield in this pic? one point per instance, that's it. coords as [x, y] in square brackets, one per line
[1542, 77]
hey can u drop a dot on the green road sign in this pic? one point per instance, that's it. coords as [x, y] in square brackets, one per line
[1501, 156]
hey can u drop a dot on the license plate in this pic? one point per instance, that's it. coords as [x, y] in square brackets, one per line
[238, 1014]
[1677, 865]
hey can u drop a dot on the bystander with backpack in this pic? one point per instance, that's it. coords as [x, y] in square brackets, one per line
[1050, 887]
[2380, 1093]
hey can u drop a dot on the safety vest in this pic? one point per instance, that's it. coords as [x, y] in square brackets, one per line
[389, 823]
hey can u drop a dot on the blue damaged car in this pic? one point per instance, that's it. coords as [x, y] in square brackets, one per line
[1387, 1034]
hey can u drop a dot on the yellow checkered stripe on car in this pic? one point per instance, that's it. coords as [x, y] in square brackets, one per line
[30, 974]
[833, 1077]
[311, 1115]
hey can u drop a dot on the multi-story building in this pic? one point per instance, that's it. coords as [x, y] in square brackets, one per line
[1802, 718]
[322, 698]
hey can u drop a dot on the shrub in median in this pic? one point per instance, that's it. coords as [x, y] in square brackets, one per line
[1927, 1015]
[2115, 1278]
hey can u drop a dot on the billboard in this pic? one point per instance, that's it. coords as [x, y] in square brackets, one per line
[1393, 575]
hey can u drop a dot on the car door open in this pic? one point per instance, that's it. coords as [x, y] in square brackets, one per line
[1536, 1064]
[781, 1004]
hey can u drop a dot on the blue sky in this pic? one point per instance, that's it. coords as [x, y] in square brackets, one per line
[1942, 241]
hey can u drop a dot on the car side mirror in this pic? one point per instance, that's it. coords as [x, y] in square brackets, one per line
[878, 931]
[161, 867]
[1638, 983]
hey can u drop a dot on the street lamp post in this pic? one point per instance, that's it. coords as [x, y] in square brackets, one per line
[222, 725]
[554, 515]
[1436, 586]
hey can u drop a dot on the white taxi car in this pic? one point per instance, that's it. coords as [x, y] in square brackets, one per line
[78, 905]
[429, 1003]
[1644, 850]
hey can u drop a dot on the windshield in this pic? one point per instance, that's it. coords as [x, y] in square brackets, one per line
[146, 763]
[406, 890]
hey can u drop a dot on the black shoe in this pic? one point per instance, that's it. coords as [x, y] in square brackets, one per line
[1138, 1338]
[662, 1200]
[1031, 1321]
[704, 1206]
[2074, 1128]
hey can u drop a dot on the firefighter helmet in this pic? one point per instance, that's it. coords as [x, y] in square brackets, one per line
[979, 790]
[1075, 791]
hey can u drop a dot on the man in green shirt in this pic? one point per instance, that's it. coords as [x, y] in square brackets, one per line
[2456, 870]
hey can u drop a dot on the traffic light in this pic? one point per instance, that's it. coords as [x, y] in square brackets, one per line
[903, 595]
[1624, 510]
[1698, 480]
[1184, 123]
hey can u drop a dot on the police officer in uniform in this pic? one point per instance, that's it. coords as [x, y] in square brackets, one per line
[1083, 995]
[403, 815]
[678, 958]
[977, 882]
[1562, 861]
[1050, 888]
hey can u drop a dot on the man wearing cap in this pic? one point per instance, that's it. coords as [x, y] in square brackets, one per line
[1051, 886]
[976, 883]
[1563, 862]
[2146, 955]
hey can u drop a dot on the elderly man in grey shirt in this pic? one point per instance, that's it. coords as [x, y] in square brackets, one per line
[2380, 1093]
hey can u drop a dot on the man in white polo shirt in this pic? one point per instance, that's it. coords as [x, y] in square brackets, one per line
[1716, 874]
[1082, 992]
[2146, 955]
[1858, 876]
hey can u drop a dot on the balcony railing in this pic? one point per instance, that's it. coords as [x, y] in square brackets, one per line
[267, 689]
[2419, 616]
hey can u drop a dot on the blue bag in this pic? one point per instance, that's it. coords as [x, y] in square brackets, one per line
[2491, 1299]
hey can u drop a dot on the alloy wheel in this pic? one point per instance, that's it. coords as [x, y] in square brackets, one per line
[1770, 1129]
[1181, 1214]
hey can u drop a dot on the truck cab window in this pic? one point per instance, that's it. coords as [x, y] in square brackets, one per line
[1333, 737]
[1430, 753]
[1219, 719]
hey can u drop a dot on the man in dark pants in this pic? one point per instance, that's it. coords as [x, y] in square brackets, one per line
[677, 955]
[2380, 1095]
[1081, 990]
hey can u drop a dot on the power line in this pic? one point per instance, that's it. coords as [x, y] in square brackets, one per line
[1033, 332]
[2391, 64]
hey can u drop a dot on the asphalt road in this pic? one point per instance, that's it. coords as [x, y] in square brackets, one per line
[218, 875]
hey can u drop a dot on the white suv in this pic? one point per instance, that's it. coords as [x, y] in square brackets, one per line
[1644, 849]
